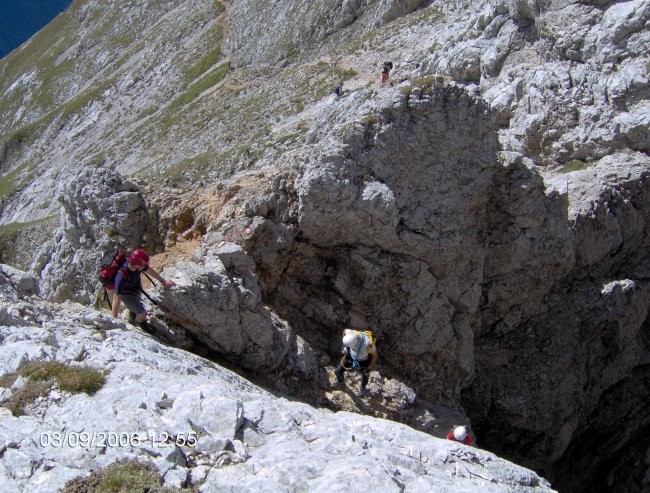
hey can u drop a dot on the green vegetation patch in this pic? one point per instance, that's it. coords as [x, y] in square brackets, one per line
[8, 182]
[82, 99]
[33, 54]
[171, 113]
[206, 82]
[219, 7]
[313, 85]
[423, 82]
[70, 378]
[8, 379]
[41, 374]
[124, 476]
[345, 73]
[405, 90]
[362, 42]
[434, 47]
[25, 395]
[428, 15]
[38, 57]
[371, 119]
[574, 165]
[211, 57]
[45, 57]
[204, 64]
[195, 165]
[27, 133]
[14, 237]
[7, 231]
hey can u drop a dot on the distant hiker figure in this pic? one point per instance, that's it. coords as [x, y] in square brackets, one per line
[385, 71]
[459, 434]
[128, 285]
[360, 354]
[338, 90]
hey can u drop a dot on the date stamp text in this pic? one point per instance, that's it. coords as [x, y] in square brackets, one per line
[113, 439]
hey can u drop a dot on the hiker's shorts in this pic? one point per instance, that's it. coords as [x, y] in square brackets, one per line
[133, 303]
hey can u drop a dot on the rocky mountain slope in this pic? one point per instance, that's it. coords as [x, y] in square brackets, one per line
[486, 212]
[198, 423]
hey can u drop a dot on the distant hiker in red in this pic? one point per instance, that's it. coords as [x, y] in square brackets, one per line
[128, 286]
[459, 434]
[385, 71]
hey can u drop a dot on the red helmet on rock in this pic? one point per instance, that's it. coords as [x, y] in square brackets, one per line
[139, 257]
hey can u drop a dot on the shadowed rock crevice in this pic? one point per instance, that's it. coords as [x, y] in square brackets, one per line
[619, 434]
[529, 243]
[389, 224]
[459, 311]
[581, 339]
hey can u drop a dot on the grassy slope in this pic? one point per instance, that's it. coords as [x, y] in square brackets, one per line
[201, 122]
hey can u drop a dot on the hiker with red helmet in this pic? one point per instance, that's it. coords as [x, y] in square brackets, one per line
[128, 286]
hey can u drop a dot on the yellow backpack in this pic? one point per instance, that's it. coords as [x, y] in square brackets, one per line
[370, 342]
[370, 337]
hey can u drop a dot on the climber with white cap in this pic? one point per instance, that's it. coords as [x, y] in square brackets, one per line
[459, 434]
[360, 354]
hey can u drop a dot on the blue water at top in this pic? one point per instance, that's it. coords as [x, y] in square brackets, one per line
[19, 19]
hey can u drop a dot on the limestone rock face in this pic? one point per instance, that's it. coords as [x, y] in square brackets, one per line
[603, 93]
[14, 286]
[468, 265]
[204, 426]
[385, 213]
[530, 246]
[593, 323]
[219, 304]
[99, 209]
[279, 36]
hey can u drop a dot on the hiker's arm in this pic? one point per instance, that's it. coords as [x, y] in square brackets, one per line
[373, 360]
[154, 273]
[115, 306]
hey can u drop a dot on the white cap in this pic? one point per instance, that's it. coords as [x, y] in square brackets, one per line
[460, 433]
[350, 339]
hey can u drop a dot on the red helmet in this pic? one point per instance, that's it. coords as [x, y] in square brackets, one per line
[139, 257]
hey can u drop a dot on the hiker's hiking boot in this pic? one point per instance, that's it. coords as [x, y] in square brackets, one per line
[132, 318]
[144, 325]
